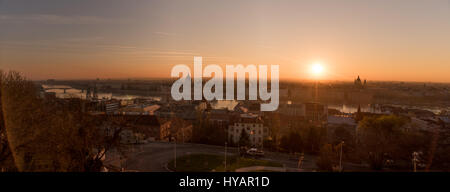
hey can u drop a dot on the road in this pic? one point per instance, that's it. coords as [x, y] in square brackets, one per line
[154, 156]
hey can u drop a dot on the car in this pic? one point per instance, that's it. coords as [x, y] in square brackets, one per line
[255, 152]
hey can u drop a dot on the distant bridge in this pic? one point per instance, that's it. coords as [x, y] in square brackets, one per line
[62, 87]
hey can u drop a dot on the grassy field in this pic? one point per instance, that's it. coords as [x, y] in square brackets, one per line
[207, 163]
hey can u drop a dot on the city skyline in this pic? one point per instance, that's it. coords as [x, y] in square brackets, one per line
[382, 40]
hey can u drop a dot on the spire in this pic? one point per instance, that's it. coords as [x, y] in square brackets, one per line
[88, 93]
[359, 115]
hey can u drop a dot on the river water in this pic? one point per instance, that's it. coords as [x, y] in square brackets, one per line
[77, 93]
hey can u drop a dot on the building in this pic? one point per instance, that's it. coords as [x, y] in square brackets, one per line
[128, 136]
[316, 113]
[292, 117]
[133, 128]
[138, 110]
[175, 128]
[312, 112]
[345, 122]
[111, 106]
[252, 125]
[221, 118]
[148, 125]
[292, 110]
[359, 84]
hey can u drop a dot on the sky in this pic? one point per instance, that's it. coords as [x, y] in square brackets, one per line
[400, 40]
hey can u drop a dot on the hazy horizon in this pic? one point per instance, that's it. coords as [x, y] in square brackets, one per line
[404, 40]
[290, 80]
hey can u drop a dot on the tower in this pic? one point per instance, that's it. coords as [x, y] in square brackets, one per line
[88, 93]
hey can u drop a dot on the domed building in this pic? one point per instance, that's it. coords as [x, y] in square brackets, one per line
[359, 84]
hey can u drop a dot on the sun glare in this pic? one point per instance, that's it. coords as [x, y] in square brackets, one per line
[317, 69]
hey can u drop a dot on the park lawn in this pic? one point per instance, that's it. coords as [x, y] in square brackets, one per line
[246, 162]
[207, 163]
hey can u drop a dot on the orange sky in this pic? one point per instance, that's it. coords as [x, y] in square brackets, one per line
[404, 40]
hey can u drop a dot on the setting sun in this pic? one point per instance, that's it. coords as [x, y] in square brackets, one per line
[317, 69]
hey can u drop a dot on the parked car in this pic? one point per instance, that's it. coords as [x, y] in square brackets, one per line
[255, 152]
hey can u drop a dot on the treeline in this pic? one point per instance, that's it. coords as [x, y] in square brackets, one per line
[383, 142]
[388, 142]
[40, 134]
[206, 132]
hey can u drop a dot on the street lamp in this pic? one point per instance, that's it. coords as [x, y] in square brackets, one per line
[415, 159]
[225, 157]
[340, 158]
[175, 153]
[252, 138]
[300, 161]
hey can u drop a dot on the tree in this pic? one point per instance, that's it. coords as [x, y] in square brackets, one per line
[379, 137]
[341, 133]
[275, 125]
[6, 161]
[21, 113]
[51, 134]
[326, 159]
[439, 147]
[102, 136]
[292, 142]
[197, 132]
[244, 139]
[314, 138]
[284, 142]
[208, 132]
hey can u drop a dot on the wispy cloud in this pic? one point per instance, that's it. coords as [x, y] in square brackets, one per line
[56, 19]
[118, 47]
[147, 52]
[164, 34]
[173, 52]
